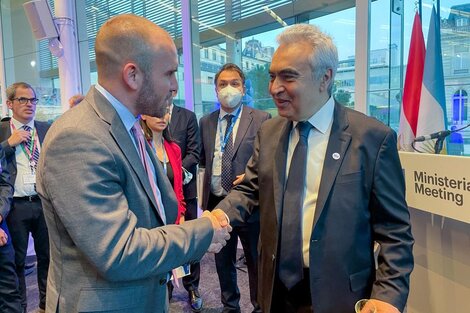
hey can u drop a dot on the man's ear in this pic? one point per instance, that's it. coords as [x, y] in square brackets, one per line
[132, 76]
[326, 79]
[10, 104]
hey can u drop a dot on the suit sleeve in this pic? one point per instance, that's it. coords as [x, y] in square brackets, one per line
[6, 189]
[81, 185]
[8, 150]
[243, 198]
[391, 227]
[193, 145]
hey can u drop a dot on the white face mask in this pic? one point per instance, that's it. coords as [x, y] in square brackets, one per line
[229, 96]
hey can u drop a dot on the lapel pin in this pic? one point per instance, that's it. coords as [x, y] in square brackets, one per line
[336, 156]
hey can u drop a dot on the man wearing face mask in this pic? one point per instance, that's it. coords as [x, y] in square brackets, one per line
[227, 137]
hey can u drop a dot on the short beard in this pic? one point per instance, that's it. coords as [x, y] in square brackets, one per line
[149, 102]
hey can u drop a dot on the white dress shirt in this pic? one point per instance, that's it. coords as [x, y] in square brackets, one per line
[23, 169]
[317, 144]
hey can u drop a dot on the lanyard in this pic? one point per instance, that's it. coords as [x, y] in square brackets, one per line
[31, 146]
[223, 140]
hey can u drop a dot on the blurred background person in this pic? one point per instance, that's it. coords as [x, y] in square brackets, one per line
[455, 143]
[75, 99]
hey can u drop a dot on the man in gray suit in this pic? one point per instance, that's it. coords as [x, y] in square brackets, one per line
[227, 137]
[105, 197]
[328, 183]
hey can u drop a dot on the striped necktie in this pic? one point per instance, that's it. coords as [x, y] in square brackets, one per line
[32, 155]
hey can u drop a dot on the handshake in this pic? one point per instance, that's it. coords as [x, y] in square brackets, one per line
[222, 229]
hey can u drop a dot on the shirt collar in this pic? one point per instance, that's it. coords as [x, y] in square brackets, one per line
[323, 118]
[222, 113]
[127, 118]
[18, 124]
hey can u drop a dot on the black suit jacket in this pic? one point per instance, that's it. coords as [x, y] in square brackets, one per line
[5, 133]
[185, 131]
[250, 122]
[6, 192]
[361, 199]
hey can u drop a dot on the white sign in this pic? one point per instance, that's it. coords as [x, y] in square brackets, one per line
[438, 184]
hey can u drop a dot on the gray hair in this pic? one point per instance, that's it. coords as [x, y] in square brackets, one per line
[324, 54]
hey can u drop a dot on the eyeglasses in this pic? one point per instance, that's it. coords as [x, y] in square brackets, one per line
[23, 100]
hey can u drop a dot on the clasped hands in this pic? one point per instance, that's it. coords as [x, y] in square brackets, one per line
[222, 229]
[377, 306]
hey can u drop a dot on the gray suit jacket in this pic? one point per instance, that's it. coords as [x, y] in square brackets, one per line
[361, 199]
[110, 251]
[250, 123]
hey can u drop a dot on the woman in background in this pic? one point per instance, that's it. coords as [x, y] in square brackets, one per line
[169, 154]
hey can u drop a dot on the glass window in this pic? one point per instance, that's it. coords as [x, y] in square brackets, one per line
[341, 26]
[460, 102]
[455, 39]
[29, 60]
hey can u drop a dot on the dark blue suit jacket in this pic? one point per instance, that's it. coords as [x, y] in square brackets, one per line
[6, 193]
[185, 131]
[250, 122]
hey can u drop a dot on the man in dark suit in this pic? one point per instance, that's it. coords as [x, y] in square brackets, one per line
[185, 132]
[227, 137]
[10, 300]
[108, 203]
[21, 138]
[328, 183]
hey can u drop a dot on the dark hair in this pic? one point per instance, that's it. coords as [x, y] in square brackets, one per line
[149, 135]
[230, 67]
[11, 90]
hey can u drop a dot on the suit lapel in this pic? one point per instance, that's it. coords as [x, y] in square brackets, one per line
[6, 133]
[213, 120]
[41, 131]
[127, 147]
[117, 130]
[245, 121]
[175, 120]
[279, 175]
[338, 143]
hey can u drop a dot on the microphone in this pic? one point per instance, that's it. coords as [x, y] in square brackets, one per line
[439, 135]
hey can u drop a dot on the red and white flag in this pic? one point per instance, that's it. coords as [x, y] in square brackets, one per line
[412, 89]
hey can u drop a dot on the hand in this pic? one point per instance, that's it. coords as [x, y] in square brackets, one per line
[381, 306]
[3, 238]
[1, 217]
[181, 219]
[222, 218]
[18, 136]
[221, 229]
[239, 179]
